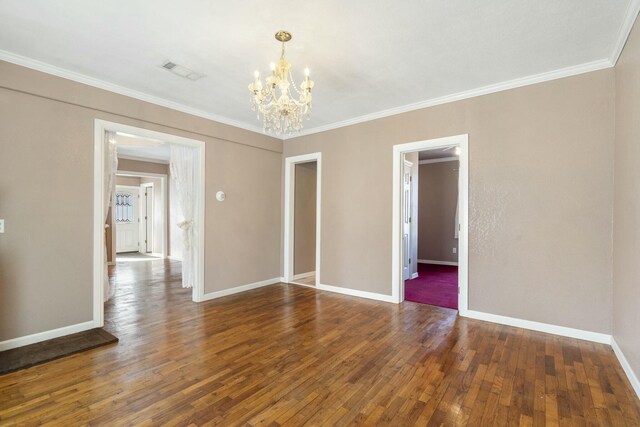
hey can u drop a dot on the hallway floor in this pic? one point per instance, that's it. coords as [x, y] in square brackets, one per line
[435, 285]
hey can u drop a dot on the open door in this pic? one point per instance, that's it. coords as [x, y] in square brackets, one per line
[406, 220]
[146, 217]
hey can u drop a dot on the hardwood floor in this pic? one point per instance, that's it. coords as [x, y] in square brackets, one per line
[309, 280]
[290, 355]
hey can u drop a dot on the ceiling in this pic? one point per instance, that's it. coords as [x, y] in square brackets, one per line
[438, 153]
[368, 58]
[142, 148]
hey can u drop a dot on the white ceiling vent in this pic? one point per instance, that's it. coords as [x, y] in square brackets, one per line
[181, 71]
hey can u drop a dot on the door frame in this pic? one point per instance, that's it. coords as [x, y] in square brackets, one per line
[461, 141]
[100, 127]
[289, 209]
[144, 224]
[406, 163]
[163, 193]
[115, 225]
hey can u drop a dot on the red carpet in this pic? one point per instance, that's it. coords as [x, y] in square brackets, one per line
[436, 285]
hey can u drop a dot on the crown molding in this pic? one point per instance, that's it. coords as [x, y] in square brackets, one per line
[632, 11]
[101, 84]
[625, 30]
[485, 90]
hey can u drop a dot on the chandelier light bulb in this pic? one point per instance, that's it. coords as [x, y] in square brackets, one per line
[273, 66]
[306, 72]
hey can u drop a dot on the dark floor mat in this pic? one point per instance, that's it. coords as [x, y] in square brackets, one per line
[46, 351]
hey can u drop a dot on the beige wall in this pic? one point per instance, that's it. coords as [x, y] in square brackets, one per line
[541, 180]
[437, 200]
[47, 128]
[142, 166]
[304, 253]
[626, 237]
[128, 180]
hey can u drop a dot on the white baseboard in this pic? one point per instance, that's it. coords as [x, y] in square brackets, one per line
[46, 335]
[430, 261]
[414, 276]
[304, 275]
[174, 258]
[237, 289]
[541, 327]
[355, 293]
[302, 284]
[633, 379]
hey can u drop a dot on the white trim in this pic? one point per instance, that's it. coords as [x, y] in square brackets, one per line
[289, 195]
[143, 159]
[46, 335]
[238, 289]
[444, 159]
[485, 90]
[540, 327]
[302, 284]
[304, 275]
[633, 379]
[101, 84]
[430, 261]
[355, 293]
[164, 192]
[462, 141]
[100, 127]
[414, 276]
[625, 30]
[174, 258]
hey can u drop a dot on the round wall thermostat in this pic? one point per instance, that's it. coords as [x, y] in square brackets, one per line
[220, 196]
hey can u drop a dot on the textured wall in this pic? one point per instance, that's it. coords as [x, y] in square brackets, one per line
[46, 253]
[626, 238]
[438, 198]
[541, 191]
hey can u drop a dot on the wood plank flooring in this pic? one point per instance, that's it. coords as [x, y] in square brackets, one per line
[291, 355]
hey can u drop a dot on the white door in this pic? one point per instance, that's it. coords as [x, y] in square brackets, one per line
[146, 218]
[125, 214]
[406, 221]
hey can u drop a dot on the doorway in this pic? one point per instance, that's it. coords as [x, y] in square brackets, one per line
[303, 177]
[407, 266]
[129, 212]
[151, 206]
[433, 205]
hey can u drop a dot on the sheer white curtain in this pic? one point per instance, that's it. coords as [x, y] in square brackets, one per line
[182, 170]
[110, 168]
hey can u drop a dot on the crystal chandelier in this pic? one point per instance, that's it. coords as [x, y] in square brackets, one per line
[281, 112]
